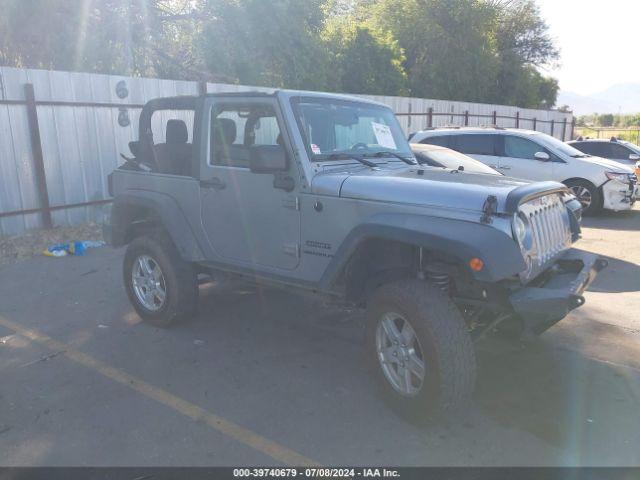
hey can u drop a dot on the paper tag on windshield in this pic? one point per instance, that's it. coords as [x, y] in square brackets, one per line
[383, 135]
[315, 149]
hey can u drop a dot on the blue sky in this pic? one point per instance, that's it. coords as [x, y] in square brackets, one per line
[599, 42]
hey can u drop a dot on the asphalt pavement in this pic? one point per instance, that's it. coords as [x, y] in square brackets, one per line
[262, 377]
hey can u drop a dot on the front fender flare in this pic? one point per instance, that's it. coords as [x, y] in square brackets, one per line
[460, 239]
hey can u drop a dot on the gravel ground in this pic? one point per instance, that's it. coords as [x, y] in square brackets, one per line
[20, 247]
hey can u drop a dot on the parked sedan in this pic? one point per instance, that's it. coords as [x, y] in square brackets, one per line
[613, 149]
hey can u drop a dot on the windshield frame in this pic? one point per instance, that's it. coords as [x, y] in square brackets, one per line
[342, 154]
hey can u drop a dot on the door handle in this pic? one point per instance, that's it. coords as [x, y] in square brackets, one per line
[213, 182]
[504, 168]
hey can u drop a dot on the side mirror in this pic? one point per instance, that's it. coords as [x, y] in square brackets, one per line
[634, 157]
[542, 156]
[268, 159]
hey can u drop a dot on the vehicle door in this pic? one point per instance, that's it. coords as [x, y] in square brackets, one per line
[481, 146]
[251, 219]
[517, 159]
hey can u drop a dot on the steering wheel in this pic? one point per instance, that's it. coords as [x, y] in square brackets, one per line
[359, 146]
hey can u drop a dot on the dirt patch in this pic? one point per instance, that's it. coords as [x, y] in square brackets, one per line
[16, 248]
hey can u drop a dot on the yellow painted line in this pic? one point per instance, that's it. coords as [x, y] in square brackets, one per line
[243, 435]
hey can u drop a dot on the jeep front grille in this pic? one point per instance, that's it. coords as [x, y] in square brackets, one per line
[550, 231]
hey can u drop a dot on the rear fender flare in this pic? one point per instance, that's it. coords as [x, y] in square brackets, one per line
[167, 210]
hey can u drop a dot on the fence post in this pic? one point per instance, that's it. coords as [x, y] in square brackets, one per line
[564, 129]
[495, 118]
[535, 123]
[409, 120]
[466, 118]
[38, 159]
[202, 88]
[430, 117]
[552, 124]
[573, 128]
[517, 119]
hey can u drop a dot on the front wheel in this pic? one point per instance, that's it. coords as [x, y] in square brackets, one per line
[587, 194]
[420, 349]
[162, 287]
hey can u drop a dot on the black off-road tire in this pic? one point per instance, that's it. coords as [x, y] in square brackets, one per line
[180, 278]
[596, 195]
[449, 356]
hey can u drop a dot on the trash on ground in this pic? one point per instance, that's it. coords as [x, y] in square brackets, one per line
[102, 326]
[198, 342]
[71, 248]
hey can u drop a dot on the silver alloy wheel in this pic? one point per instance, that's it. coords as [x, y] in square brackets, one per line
[583, 194]
[400, 354]
[148, 283]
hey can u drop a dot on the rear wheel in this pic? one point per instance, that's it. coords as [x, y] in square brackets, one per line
[420, 349]
[587, 194]
[162, 287]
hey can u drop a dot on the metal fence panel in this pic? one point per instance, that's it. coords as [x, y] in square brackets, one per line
[81, 144]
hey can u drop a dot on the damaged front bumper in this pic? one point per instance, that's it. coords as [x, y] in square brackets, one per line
[618, 196]
[558, 292]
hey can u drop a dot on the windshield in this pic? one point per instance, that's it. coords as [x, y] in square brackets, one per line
[562, 147]
[454, 160]
[333, 128]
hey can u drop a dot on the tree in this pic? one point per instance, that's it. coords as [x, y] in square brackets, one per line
[272, 43]
[605, 120]
[141, 37]
[447, 47]
[470, 50]
[363, 60]
[523, 45]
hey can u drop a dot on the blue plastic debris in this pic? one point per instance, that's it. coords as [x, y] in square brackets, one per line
[72, 248]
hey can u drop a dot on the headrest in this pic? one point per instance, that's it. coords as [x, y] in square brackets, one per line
[176, 131]
[224, 131]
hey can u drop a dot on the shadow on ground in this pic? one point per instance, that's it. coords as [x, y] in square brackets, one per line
[561, 396]
[619, 276]
[607, 220]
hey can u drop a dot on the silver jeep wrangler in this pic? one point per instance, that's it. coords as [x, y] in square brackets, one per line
[321, 194]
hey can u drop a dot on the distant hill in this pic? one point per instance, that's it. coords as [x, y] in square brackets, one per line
[623, 98]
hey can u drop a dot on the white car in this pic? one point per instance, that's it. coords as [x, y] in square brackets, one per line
[597, 182]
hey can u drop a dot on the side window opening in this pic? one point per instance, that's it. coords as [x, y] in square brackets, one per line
[517, 147]
[476, 144]
[235, 128]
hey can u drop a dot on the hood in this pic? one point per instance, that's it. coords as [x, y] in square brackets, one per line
[431, 187]
[612, 165]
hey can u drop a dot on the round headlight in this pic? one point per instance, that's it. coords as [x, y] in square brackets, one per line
[519, 228]
[522, 231]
